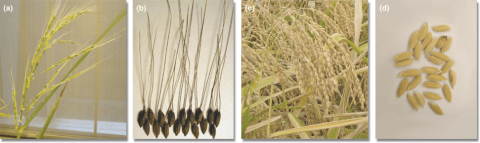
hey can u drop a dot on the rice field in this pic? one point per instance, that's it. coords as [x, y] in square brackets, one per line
[304, 69]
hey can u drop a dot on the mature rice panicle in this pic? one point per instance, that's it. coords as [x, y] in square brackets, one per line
[302, 38]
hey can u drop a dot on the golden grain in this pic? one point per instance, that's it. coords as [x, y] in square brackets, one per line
[415, 82]
[402, 56]
[423, 31]
[453, 78]
[447, 92]
[432, 84]
[446, 67]
[412, 101]
[430, 70]
[404, 63]
[430, 46]
[440, 56]
[441, 42]
[441, 28]
[427, 40]
[402, 87]
[434, 60]
[447, 45]
[410, 73]
[417, 51]
[413, 40]
[432, 96]
[420, 99]
[435, 108]
[436, 77]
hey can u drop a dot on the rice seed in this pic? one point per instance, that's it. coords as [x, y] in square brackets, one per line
[430, 70]
[413, 40]
[435, 108]
[402, 56]
[434, 60]
[146, 127]
[176, 127]
[151, 116]
[198, 115]
[447, 92]
[412, 101]
[156, 128]
[216, 117]
[210, 116]
[423, 31]
[436, 77]
[161, 117]
[441, 56]
[190, 116]
[212, 130]
[203, 125]
[453, 78]
[427, 40]
[402, 87]
[404, 63]
[170, 117]
[165, 130]
[447, 45]
[410, 73]
[183, 116]
[446, 67]
[186, 128]
[430, 46]
[141, 118]
[417, 51]
[432, 96]
[432, 84]
[195, 130]
[415, 82]
[420, 99]
[441, 42]
[441, 28]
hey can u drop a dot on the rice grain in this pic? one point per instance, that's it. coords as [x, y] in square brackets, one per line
[412, 101]
[432, 84]
[432, 96]
[435, 108]
[441, 28]
[446, 67]
[447, 92]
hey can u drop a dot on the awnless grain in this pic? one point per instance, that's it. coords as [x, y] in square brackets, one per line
[432, 84]
[436, 108]
[453, 78]
[432, 96]
[446, 67]
[410, 73]
[420, 99]
[416, 81]
[441, 28]
[412, 101]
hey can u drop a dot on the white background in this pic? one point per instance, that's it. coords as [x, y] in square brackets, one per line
[396, 117]
[158, 11]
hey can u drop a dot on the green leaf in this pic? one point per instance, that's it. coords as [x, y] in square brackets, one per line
[246, 121]
[50, 117]
[4, 115]
[339, 38]
[363, 47]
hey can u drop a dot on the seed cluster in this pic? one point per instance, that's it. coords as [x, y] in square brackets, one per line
[174, 80]
[423, 40]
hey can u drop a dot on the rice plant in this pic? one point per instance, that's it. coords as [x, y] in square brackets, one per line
[186, 110]
[304, 69]
[60, 17]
